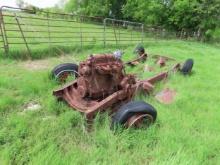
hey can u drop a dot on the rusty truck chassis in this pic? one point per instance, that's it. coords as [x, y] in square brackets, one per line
[80, 95]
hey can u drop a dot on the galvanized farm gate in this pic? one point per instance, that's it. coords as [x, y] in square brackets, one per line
[24, 29]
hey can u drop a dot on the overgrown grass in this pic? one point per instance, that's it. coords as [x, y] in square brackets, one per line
[186, 131]
[56, 51]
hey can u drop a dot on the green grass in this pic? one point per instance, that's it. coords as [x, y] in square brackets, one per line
[186, 131]
[216, 34]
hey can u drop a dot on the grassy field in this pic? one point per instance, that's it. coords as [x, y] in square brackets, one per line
[186, 131]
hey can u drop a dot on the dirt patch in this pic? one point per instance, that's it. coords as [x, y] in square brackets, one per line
[47, 63]
[32, 106]
[48, 118]
[36, 65]
[166, 96]
[148, 68]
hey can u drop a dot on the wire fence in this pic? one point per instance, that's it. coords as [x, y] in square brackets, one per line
[28, 29]
[24, 30]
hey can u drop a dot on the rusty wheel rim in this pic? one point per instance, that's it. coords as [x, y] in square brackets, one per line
[140, 121]
[64, 76]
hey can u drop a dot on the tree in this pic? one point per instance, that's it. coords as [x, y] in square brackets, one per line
[209, 14]
[20, 3]
[176, 15]
[147, 11]
[104, 8]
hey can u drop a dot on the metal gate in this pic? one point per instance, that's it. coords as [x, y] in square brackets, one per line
[29, 30]
[3, 37]
[123, 31]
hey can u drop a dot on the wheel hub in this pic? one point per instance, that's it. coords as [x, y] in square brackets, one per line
[139, 121]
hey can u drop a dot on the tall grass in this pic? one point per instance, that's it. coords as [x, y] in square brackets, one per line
[186, 131]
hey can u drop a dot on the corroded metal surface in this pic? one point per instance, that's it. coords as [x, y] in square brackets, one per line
[161, 62]
[102, 84]
[139, 120]
[140, 58]
[166, 96]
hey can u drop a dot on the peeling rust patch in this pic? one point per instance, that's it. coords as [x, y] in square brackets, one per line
[166, 96]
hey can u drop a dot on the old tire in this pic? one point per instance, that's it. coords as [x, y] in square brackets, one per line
[187, 66]
[62, 71]
[133, 108]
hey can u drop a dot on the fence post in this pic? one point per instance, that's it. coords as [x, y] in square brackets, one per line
[3, 31]
[80, 28]
[48, 29]
[104, 37]
[142, 31]
[25, 41]
[2, 35]
[119, 35]
[116, 40]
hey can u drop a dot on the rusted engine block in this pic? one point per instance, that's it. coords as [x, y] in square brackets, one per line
[102, 75]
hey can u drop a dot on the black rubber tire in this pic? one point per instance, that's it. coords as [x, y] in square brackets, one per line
[62, 68]
[187, 66]
[128, 110]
